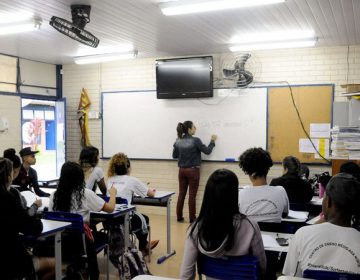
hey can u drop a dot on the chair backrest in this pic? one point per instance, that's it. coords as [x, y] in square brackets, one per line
[76, 220]
[76, 228]
[228, 267]
[119, 200]
[329, 275]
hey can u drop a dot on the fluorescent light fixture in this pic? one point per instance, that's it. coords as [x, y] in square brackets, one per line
[273, 36]
[19, 27]
[15, 17]
[107, 57]
[190, 6]
[273, 45]
[123, 48]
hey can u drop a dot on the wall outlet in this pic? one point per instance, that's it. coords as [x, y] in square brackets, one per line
[4, 124]
[93, 115]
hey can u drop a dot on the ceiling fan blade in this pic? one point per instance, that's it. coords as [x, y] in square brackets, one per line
[228, 73]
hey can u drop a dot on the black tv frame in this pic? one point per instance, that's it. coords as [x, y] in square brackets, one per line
[189, 94]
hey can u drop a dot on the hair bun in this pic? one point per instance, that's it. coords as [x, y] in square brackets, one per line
[9, 153]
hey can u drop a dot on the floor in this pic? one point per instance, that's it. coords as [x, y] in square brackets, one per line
[169, 268]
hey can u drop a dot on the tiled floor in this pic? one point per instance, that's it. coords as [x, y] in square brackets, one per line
[169, 268]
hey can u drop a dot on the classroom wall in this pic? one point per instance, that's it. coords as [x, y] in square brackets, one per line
[10, 109]
[296, 66]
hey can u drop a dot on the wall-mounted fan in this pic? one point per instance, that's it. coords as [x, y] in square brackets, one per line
[237, 70]
[75, 29]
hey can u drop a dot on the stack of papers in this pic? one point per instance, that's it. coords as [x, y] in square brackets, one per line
[345, 142]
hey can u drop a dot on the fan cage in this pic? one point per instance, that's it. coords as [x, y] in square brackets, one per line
[69, 29]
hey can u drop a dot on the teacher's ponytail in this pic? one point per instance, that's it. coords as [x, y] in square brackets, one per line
[180, 130]
[183, 128]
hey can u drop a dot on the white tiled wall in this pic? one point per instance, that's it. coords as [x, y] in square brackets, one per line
[299, 66]
[10, 108]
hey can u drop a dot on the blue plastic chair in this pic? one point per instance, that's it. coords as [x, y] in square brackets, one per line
[228, 267]
[119, 200]
[77, 227]
[329, 275]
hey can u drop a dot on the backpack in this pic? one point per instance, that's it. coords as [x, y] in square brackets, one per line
[129, 261]
[132, 264]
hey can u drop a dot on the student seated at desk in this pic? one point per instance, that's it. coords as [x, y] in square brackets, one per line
[333, 245]
[11, 155]
[351, 168]
[297, 189]
[304, 172]
[16, 261]
[72, 196]
[94, 175]
[261, 202]
[220, 229]
[27, 178]
[126, 186]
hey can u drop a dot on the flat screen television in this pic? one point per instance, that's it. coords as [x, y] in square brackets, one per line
[189, 77]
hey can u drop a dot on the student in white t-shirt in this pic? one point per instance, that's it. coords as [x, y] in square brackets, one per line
[94, 175]
[72, 196]
[261, 202]
[335, 244]
[126, 186]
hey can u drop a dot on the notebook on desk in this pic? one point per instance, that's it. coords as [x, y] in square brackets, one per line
[30, 198]
[268, 240]
[298, 215]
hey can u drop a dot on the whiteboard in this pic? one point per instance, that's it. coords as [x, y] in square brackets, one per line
[143, 127]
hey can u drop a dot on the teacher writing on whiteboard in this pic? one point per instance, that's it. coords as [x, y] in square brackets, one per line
[187, 149]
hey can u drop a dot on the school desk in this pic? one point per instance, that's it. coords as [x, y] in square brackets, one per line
[270, 243]
[161, 199]
[121, 210]
[51, 228]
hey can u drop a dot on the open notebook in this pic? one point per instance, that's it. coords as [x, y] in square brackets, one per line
[30, 198]
[269, 241]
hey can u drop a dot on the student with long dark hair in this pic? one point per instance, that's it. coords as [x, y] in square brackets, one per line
[297, 189]
[221, 230]
[188, 149]
[119, 177]
[260, 201]
[333, 245]
[72, 196]
[16, 261]
[94, 175]
[11, 155]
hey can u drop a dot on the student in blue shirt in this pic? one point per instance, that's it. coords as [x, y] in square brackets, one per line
[188, 149]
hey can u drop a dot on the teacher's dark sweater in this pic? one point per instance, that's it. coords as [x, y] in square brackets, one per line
[188, 151]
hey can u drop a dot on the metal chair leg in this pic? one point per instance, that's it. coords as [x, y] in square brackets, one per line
[149, 244]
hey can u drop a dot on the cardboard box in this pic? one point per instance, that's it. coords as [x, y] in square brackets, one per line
[351, 88]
